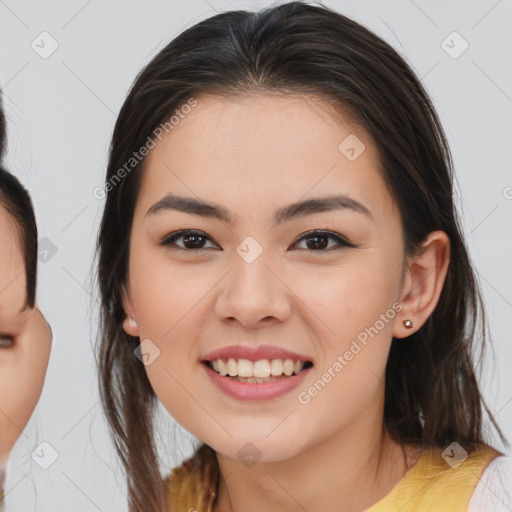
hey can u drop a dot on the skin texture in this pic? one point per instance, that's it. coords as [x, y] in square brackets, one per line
[24, 360]
[253, 156]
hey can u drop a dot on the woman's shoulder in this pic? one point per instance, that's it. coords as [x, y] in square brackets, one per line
[441, 479]
[494, 488]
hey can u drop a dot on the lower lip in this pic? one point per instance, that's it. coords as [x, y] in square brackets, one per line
[254, 390]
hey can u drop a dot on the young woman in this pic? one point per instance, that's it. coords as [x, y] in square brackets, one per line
[25, 336]
[281, 265]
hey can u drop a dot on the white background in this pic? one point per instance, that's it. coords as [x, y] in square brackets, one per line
[61, 111]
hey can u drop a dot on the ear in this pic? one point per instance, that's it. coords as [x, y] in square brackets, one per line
[129, 323]
[423, 282]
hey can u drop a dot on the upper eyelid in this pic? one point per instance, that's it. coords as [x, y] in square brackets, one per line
[181, 232]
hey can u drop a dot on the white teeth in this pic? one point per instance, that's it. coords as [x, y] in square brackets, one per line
[276, 367]
[262, 369]
[245, 368]
[252, 380]
[297, 367]
[232, 367]
[288, 367]
[223, 368]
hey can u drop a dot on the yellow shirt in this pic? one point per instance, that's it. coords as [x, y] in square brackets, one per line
[431, 485]
[434, 485]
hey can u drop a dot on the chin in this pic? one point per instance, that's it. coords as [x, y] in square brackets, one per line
[251, 450]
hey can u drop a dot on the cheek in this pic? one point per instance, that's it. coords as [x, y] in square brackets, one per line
[355, 308]
[171, 303]
[21, 381]
[346, 300]
[165, 295]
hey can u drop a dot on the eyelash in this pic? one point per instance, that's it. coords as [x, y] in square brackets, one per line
[342, 242]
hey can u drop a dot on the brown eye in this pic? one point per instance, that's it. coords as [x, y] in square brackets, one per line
[191, 240]
[317, 241]
[6, 341]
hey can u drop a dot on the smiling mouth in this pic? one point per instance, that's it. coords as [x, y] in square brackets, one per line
[259, 371]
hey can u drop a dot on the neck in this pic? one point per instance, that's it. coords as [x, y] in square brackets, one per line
[347, 472]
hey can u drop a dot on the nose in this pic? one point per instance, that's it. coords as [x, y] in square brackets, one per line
[253, 294]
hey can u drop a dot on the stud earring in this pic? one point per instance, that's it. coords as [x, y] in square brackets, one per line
[408, 324]
[129, 323]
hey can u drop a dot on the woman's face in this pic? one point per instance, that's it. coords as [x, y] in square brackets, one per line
[256, 280]
[25, 342]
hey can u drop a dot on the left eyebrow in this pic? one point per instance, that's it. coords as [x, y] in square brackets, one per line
[309, 206]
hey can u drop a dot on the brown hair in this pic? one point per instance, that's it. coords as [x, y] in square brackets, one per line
[431, 396]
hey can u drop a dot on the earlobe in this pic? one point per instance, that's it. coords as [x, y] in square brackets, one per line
[423, 284]
[130, 326]
[129, 323]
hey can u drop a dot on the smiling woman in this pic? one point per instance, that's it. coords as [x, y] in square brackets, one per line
[294, 235]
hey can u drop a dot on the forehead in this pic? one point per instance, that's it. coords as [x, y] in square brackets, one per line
[280, 146]
[12, 268]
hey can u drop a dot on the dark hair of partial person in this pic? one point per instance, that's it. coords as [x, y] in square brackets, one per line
[432, 396]
[3, 130]
[15, 198]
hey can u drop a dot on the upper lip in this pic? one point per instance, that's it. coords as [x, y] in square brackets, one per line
[254, 353]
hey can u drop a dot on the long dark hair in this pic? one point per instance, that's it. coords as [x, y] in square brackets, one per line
[431, 396]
